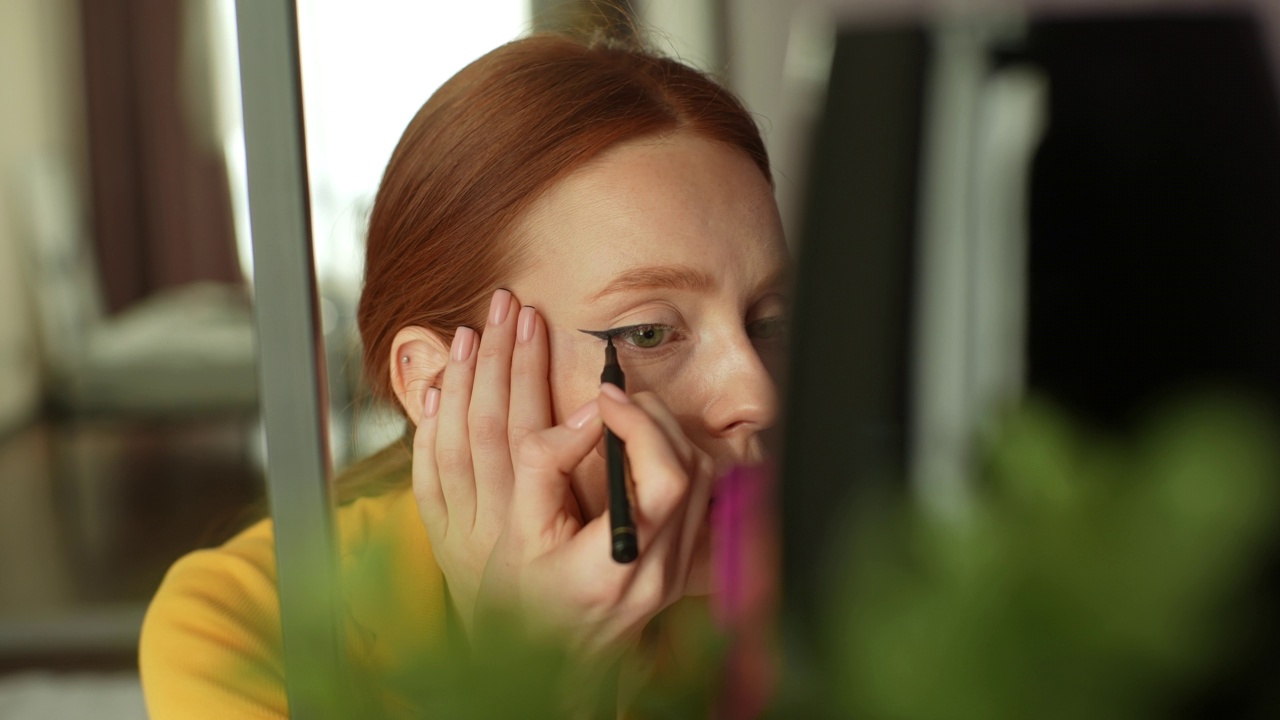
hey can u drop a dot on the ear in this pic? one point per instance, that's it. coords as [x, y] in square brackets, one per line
[418, 359]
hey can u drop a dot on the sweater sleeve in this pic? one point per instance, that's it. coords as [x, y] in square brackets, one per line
[211, 643]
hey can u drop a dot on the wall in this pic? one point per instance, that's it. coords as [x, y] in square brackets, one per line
[41, 120]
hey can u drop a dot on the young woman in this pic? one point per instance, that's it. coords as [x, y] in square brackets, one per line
[552, 186]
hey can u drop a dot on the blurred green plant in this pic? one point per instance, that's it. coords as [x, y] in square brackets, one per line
[510, 672]
[1088, 577]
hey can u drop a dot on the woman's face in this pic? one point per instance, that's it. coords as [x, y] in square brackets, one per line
[681, 234]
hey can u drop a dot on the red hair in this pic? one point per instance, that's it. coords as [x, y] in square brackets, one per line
[486, 145]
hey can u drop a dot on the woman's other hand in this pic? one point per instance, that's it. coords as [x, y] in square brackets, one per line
[556, 570]
[494, 392]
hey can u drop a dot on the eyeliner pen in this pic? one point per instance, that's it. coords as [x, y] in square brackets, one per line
[623, 527]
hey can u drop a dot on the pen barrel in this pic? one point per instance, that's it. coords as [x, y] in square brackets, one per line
[621, 525]
[613, 374]
[623, 541]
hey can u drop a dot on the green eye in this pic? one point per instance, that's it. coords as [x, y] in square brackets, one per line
[647, 337]
[774, 328]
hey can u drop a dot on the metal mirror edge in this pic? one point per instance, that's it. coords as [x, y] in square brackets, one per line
[294, 400]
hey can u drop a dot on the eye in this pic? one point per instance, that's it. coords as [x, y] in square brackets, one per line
[645, 337]
[771, 328]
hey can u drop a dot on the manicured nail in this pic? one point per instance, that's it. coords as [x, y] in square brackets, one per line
[583, 415]
[499, 306]
[614, 392]
[432, 404]
[528, 319]
[464, 341]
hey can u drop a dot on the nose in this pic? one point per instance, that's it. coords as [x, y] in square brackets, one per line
[742, 398]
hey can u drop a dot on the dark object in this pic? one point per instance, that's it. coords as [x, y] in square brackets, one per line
[1154, 214]
[624, 541]
[847, 388]
[1151, 262]
[1153, 257]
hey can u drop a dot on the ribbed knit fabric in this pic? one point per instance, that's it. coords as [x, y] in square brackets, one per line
[211, 642]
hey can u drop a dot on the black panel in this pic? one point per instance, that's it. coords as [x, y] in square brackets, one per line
[1155, 213]
[847, 394]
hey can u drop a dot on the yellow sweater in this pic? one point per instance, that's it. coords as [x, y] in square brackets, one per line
[211, 642]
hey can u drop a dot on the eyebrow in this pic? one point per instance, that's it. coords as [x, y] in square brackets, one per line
[681, 277]
[779, 277]
[657, 277]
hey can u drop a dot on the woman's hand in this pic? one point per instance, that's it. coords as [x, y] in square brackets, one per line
[491, 396]
[492, 481]
[556, 570]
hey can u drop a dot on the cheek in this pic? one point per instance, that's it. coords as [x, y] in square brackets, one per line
[575, 380]
[682, 386]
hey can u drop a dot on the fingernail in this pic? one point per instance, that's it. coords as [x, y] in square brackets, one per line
[528, 318]
[614, 392]
[432, 404]
[464, 340]
[499, 306]
[583, 415]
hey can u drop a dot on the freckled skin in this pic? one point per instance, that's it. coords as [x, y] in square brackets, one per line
[676, 200]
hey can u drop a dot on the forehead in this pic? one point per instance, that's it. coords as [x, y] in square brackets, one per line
[673, 200]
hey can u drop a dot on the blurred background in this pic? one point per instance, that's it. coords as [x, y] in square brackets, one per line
[1073, 200]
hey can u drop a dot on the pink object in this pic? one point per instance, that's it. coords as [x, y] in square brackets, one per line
[745, 565]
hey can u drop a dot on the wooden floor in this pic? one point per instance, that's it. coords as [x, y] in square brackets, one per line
[92, 513]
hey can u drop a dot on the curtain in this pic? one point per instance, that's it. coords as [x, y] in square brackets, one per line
[160, 201]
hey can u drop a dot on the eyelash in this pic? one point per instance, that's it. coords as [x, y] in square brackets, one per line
[631, 330]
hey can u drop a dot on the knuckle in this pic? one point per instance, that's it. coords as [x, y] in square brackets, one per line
[488, 429]
[521, 370]
[645, 397]
[525, 364]
[535, 451]
[453, 460]
[669, 489]
[608, 594]
[648, 596]
[486, 535]
[492, 351]
[516, 436]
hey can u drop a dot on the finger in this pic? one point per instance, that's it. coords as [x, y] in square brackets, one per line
[658, 410]
[426, 479]
[660, 571]
[453, 446]
[659, 477]
[543, 466]
[666, 553]
[642, 584]
[588, 557]
[696, 512]
[490, 401]
[530, 369]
